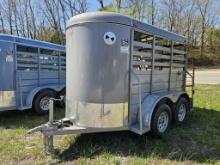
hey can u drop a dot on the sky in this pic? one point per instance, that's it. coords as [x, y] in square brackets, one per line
[94, 5]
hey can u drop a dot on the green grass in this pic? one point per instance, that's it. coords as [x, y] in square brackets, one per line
[196, 142]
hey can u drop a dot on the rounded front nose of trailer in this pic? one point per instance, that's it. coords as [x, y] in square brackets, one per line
[98, 73]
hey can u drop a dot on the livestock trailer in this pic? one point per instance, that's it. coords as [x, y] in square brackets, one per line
[31, 72]
[122, 74]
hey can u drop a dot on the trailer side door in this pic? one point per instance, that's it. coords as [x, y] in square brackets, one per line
[7, 86]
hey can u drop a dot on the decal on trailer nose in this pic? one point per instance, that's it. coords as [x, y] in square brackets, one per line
[109, 38]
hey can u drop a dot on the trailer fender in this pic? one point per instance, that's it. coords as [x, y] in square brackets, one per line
[33, 93]
[151, 101]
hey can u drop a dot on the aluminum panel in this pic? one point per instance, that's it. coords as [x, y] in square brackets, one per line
[7, 99]
[99, 115]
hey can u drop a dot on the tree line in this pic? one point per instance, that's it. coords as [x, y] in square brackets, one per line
[43, 20]
[198, 20]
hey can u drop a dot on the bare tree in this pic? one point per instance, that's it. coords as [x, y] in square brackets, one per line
[118, 4]
[153, 12]
[174, 15]
[58, 11]
[51, 12]
[168, 13]
[22, 18]
[136, 8]
[101, 3]
[26, 13]
[74, 7]
[190, 20]
[15, 13]
[8, 12]
[64, 14]
[2, 20]
[204, 6]
[47, 18]
[33, 33]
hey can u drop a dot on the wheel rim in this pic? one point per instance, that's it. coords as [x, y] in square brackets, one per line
[44, 103]
[182, 112]
[162, 122]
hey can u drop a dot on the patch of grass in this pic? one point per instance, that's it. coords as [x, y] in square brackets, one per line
[196, 142]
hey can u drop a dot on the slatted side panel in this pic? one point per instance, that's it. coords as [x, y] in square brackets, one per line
[141, 65]
[26, 82]
[62, 72]
[38, 67]
[162, 62]
[63, 62]
[158, 63]
[178, 66]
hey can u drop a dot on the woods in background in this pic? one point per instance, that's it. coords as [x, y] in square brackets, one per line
[43, 20]
[198, 20]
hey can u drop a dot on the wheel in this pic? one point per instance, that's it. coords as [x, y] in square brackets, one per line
[181, 111]
[161, 120]
[42, 101]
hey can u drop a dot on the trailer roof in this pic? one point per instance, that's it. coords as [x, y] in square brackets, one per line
[30, 42]
[110, 17]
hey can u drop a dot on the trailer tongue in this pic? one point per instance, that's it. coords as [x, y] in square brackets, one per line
[121, 75]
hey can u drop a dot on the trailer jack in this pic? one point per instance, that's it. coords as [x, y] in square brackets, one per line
[50, 126]
[48, 145]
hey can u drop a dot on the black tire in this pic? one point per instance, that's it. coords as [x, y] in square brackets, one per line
[161, 108]
[45, 94]
[181, 117]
